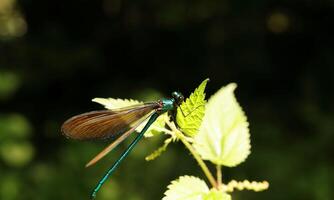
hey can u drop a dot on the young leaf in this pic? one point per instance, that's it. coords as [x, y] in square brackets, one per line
[217, 195]
[186, 188]
[159, 151]
[223, 137]
[111, 103]
[190, 113]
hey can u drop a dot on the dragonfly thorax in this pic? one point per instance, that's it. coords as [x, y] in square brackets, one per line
[167, 104]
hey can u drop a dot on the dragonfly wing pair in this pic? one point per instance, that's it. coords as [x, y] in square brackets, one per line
[118, 123]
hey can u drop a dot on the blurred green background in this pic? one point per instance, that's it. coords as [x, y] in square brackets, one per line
[55, 56]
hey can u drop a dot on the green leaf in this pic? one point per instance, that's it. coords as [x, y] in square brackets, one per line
[190, 113]
[111, 103]
[223, 137]
[217, 195]
[186, 188]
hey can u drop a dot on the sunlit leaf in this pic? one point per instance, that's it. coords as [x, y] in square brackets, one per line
[224, 135]
[217, 195]
[111, 103]
[190, 113]
[186, 188]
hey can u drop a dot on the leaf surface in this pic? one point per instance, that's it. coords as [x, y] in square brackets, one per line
[190, 113]
[224, 137]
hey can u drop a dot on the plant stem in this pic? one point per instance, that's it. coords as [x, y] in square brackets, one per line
[201, 163]
[164, 130]
[219, 176]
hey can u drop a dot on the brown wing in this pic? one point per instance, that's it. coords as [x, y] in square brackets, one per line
[114, 144]
[105, 123]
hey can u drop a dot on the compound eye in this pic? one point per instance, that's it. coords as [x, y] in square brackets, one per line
[174, 95]
[180, 99]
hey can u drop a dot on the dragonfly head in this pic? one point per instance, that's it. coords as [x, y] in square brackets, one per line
[178, 97]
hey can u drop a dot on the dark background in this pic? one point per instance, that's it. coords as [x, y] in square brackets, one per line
[55, 56]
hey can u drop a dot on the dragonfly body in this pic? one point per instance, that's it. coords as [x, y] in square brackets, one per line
[119, 123]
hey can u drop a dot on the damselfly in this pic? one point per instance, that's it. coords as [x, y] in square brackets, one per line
[118, 123]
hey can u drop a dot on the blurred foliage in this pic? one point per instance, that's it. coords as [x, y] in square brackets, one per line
[12, 23]
[9, 83]
[56, 56]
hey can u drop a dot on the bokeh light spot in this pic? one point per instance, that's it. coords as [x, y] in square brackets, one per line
[17, 154]
[12, 22]
[9, 83]
[14, 126]
[6, 5]
[278, 22]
